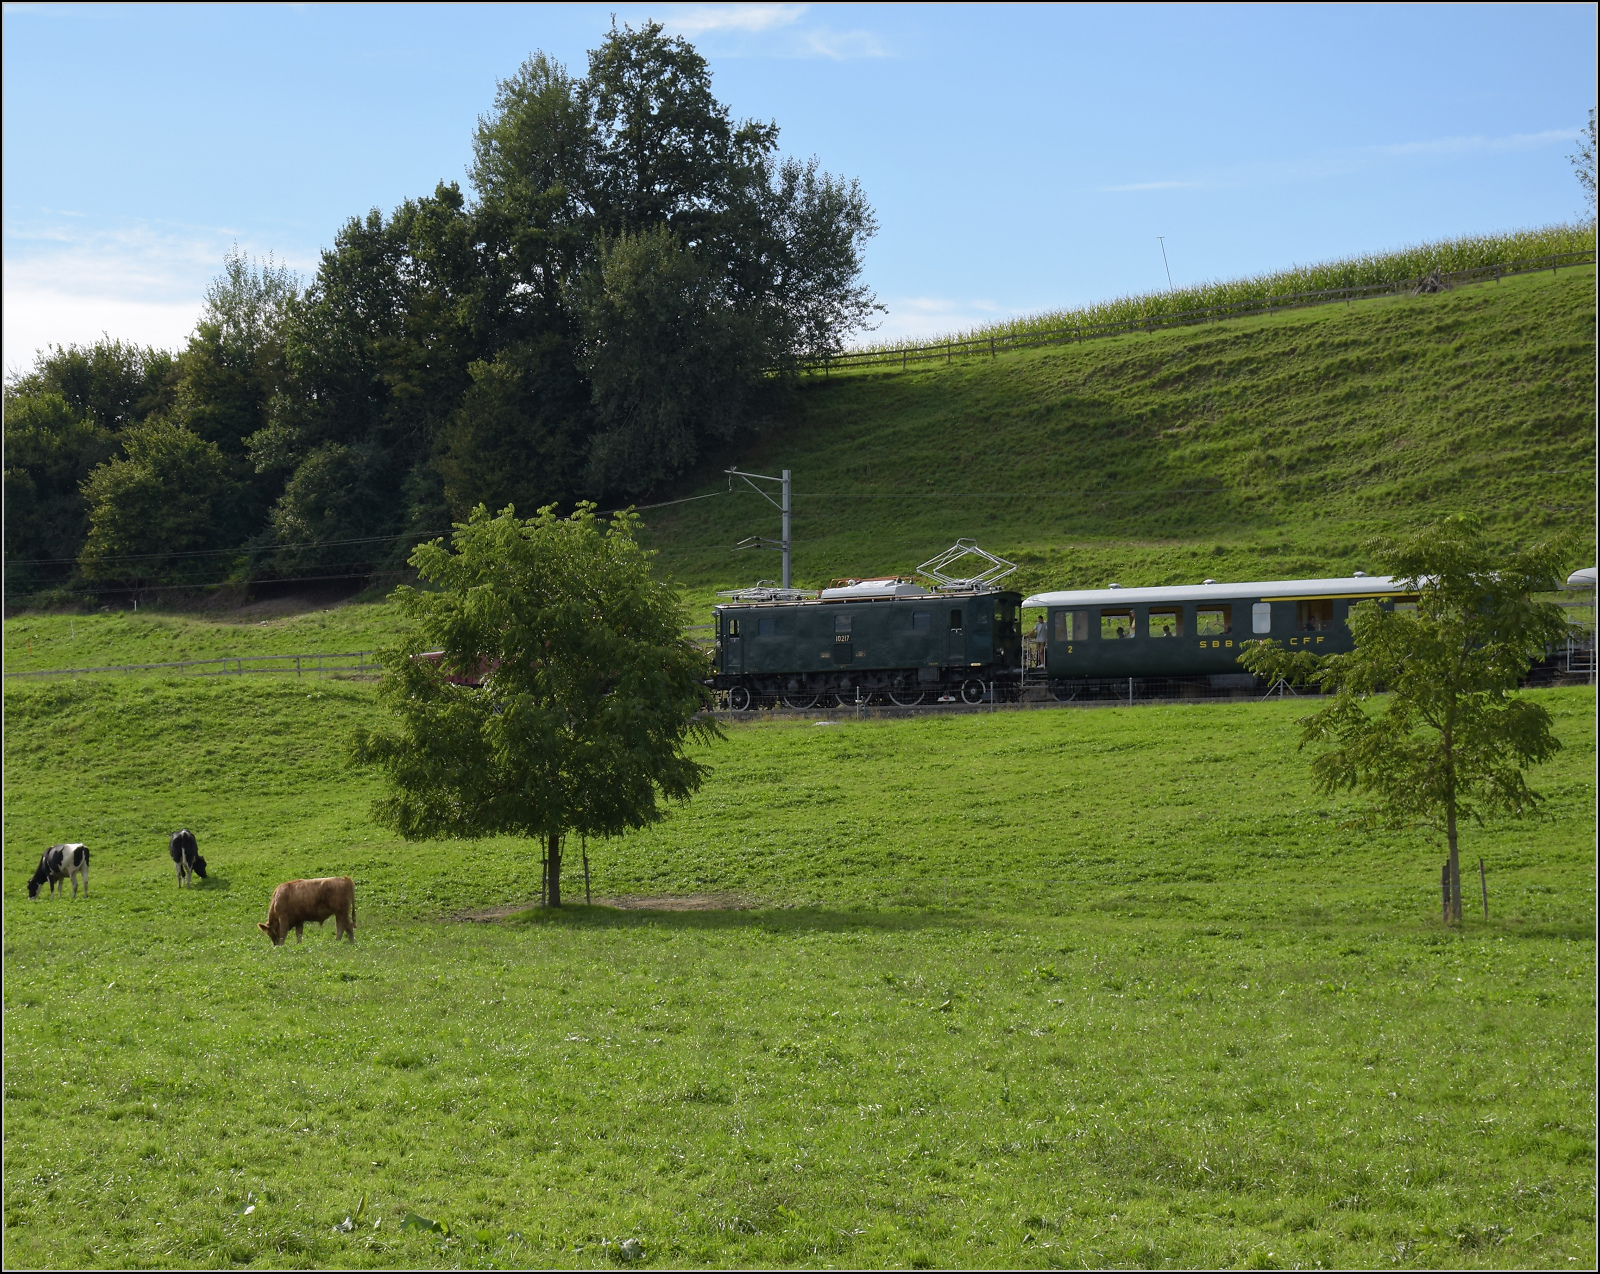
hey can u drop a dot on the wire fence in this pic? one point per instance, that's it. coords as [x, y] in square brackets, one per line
[355, 663]
[993, 345]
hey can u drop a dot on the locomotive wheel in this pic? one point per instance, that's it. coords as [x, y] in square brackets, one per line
[739, 699]
[972, 691]
[1063, 694]
[801, 700]
[905, 696]
[847, 698]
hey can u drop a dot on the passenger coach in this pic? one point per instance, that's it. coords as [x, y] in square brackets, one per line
[1105, 633]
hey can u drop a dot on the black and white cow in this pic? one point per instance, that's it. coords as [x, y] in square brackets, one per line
[186, 854]
[57, 864]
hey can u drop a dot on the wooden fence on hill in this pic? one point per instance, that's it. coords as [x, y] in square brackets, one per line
[355, 663]
[992, 346]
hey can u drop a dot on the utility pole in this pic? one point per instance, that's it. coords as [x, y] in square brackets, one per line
[1162, 239]
[784, 505]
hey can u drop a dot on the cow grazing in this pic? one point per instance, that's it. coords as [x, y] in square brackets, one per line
[57, 864]
[296, 901]
[186, 854]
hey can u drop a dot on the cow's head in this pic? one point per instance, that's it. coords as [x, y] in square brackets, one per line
[33, 887]
[200, 866]
[271, 930]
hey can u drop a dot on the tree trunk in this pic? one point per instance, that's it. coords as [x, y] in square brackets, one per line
[1455, 865]
[553, 870]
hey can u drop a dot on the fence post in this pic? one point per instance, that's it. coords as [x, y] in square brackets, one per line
[297, 665]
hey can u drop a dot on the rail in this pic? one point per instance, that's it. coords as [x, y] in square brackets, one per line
[991, 346]
[313, 665]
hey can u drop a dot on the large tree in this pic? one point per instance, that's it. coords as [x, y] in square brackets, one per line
[588, 696]
[1424, 717]
[629, 276]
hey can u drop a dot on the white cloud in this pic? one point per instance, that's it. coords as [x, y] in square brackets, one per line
[924, 316]
[65, 283]
[1469, 145]
[1345, 163]
[734, 17]
[841, 45]
[780, 25]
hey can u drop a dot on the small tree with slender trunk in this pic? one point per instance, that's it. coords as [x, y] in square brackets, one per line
[587, 695]
[1424, 716]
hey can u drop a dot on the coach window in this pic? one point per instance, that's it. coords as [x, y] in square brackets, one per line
[1115, 624]
[922, 621]
[1315, 617]
[1261, 617]
[1166, 623]
[841, 623]
[955, 621]
[1213, 621]
[765, 627]
[1072, 625]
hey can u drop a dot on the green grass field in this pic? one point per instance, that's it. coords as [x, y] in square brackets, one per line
[1264, 448]
[1047, 988]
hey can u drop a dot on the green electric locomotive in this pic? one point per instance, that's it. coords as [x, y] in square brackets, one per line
[1103, 634]
[869, 639]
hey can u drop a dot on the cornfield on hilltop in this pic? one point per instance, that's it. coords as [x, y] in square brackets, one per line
[1380, 268]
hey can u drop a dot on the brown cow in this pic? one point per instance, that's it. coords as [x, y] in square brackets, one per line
[296, 901]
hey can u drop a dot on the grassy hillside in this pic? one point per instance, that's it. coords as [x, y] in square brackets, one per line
[1063, 988]
[1259, 448]
[1255, 448]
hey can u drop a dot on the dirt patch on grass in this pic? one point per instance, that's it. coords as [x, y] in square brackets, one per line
[681, 902]
[626, 902]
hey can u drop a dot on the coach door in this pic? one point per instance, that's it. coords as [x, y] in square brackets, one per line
[957, 653]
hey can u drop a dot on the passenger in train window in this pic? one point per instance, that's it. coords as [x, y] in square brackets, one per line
[1116, 624]
[1316, 616]
[1166, 623]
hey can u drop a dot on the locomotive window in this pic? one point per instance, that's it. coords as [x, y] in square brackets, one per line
[1315, 617]
[921, 621]
[1166, 623]
[766, 627]
[733, 628]
[1213, 621]
[1261, 617]
[1072, 625]
[841, 623]
[1116, 624]
[955, 621]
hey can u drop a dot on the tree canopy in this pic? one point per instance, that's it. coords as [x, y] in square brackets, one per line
[587, 692]
[1424, 717]
[625, 281]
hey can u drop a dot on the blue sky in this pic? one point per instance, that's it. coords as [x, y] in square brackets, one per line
[1019, 158]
